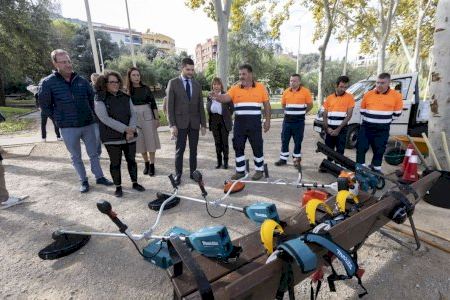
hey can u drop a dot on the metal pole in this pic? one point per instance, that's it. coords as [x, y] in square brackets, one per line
[298, 49]
[92, 37]
[101, 55]
[131, 36]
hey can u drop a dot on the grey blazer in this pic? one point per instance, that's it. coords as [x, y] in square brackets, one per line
[181, 111]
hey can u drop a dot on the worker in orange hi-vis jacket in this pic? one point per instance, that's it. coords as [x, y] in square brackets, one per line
[297, 102]
[378, 108]
[338, 110]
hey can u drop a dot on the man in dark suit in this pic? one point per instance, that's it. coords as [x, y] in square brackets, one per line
[186, 115]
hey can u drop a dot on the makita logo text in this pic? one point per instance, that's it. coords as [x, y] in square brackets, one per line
[344, 257]
[212, 243]
[261, 215]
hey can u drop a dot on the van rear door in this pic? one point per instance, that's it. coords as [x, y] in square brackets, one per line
[405, 84]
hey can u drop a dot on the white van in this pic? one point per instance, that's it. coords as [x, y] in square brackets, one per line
[414, 118]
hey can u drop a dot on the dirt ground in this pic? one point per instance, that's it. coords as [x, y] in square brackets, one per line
[108, 268]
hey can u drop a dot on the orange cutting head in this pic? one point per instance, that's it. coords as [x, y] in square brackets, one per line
[350, 177]
[239, 186]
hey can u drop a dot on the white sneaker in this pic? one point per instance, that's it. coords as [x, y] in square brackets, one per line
[60, 139]
[43, 140]
[11, 201]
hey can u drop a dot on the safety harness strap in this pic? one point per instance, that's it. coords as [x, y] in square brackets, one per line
[286, 282]
[204, 287]
[319, 285]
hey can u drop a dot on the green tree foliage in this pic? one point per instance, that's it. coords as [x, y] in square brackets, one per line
[24, 36]
[81, 51]
[333, 70]
[204, 83]
[151, 51]
[252, 44]
[279, 73]
[124, 62]
[167, 67]
[210, 71]
[62, 34]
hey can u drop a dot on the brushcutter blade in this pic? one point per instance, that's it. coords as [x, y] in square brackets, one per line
[239, 186]
[64, 244]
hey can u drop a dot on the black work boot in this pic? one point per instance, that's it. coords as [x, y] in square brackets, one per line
[280, 163]
[147, 165]
[225, 162]
[151, 170]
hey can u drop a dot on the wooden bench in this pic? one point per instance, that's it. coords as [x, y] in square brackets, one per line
[251, 278]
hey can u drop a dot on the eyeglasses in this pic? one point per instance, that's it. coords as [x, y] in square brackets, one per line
[113, 82]
[64, 62]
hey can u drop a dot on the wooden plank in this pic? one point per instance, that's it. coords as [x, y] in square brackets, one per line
[185, 283]
[348, 233]
[259, 281]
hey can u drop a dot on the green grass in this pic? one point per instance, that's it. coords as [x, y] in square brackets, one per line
[163, 119]
[21, 102]
[12, 123]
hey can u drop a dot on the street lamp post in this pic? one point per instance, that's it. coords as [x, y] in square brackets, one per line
[131, 36]
[92, 37]
[298, 49]
[101, 55]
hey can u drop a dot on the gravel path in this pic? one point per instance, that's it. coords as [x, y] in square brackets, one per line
[111, 268]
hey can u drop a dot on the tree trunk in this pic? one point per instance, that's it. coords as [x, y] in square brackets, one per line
[381, 56]
[344, 70]
[222, 53]
[385, 31]
[323, 49]
[2, 90]
[321, 73]
[222, 17]
[440, 82]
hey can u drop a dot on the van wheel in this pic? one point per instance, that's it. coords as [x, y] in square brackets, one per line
[352, 136]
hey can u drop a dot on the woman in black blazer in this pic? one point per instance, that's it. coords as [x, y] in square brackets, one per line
[219, 117]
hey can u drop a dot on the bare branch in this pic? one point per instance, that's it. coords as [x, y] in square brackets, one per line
[405, 47]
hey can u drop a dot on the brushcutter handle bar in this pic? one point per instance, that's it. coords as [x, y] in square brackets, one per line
[198, 177]
[266, 171]
[172, 181]
[106, 208]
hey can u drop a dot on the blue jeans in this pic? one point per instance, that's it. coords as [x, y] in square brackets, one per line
[72, 137]
[97, 136]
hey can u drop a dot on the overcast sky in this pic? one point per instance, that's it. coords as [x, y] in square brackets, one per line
[188, 27]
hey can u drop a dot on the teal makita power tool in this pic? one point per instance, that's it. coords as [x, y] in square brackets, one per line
[213, 242]
[257, 212]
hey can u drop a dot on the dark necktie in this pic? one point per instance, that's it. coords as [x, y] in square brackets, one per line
[188, 89]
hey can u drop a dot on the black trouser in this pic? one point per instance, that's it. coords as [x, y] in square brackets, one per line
[180, 146]
[375, 136]
[220, 134]
[248, 127]
[115, 158]
[294, 129]
[44, 118]
[337, 142]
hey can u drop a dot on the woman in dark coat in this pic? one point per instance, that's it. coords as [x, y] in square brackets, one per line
[220, 123]
[117, 127]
